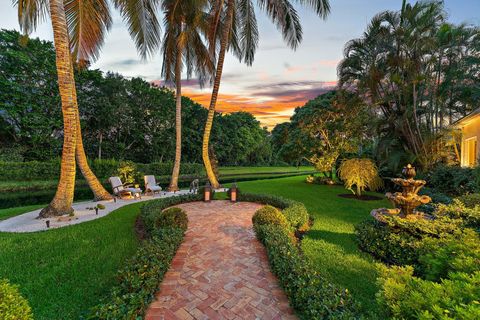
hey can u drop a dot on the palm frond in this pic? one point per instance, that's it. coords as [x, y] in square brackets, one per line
[88, 22]
[31, 13]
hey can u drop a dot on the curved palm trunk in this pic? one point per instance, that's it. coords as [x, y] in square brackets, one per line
[99, 192]
[178, 123]
[216, 87]
[63, 199]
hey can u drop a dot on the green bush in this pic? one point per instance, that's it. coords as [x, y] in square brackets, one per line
[437, 198]
[269, 215]
[453, 180]
[297, 216]
[398, 241]
[20, 199]
[294, 211]
[152, 209]
[469, 217]
[459, 252]
[310, 294]
[12, 305]
[172, 217]
[470, 200]
[408, 297]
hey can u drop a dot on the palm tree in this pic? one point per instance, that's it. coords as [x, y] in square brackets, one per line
[185, 22]
[85, 24]
[234, 26]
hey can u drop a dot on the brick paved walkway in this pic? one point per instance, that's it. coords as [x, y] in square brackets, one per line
[220, 271]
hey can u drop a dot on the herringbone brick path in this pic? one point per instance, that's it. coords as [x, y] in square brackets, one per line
[220, 271]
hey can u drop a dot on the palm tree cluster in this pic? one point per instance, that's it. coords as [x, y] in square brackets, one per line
[197, 35]
[418, 73]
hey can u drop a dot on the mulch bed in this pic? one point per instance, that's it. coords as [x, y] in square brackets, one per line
[363, 197]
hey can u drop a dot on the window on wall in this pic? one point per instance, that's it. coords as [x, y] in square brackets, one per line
[471, 152]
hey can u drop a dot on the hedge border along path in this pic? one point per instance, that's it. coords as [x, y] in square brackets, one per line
[220, 271]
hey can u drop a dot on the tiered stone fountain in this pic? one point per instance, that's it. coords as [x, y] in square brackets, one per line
[406, 201]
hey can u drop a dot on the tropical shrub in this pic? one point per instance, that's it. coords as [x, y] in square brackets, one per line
[310, 294]
[470, 200]
[453, 180]
[408, 297]
[469, 217]
[361, 173]
[172, 217]
[12, 305]
[437, 198]
[127, 171]
[398, 241]
[459, 252]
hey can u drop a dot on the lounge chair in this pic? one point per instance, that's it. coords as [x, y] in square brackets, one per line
[151, 185]
[124, 190]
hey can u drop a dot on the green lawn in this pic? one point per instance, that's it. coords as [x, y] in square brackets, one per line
[64, 272]
[331, 242]
[11, 212]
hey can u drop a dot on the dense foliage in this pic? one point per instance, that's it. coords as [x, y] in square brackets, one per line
[12, 305]
[125, 119]
[418, 74]
[436, 270]
[310, 294]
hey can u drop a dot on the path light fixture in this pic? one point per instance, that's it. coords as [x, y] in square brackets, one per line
[96, 211]
[47, 223]
[207, 193]
[233, 192]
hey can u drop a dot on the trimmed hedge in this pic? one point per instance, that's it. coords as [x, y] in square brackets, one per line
[139, 280]
[269, 215]
[294, 211]
[12, 305]
[310, 294]
[50, 170]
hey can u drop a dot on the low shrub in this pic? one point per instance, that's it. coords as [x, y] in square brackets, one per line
[172, 217]
[459, 252]
[469, 217]
[269, 215]
[398, 240]
[453, 180]
[297, 216]
[294, 211]
[312, 296]
[408, 297]
[152, 209]
[437, 198]
[470, 200]
[12, 305]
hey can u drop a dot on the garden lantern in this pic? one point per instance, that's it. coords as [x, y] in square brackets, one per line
[207, 194]
[233, 192]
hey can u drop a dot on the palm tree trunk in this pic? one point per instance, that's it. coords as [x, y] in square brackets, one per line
[216, 87]
[178, 122]
[99, 192]
[63, 199]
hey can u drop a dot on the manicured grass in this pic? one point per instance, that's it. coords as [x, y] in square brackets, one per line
[11, 212]
[331, 241]
[64, 272]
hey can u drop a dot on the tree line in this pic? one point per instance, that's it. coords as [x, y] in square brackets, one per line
[125, 119]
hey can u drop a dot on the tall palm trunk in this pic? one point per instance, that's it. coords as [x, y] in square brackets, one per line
[178, 122]
[99, 192]
[63, 199]
[216, 87]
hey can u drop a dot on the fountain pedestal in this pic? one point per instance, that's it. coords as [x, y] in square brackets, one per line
[406, 201]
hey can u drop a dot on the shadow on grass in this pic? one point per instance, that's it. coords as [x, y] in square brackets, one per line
[344, 240]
